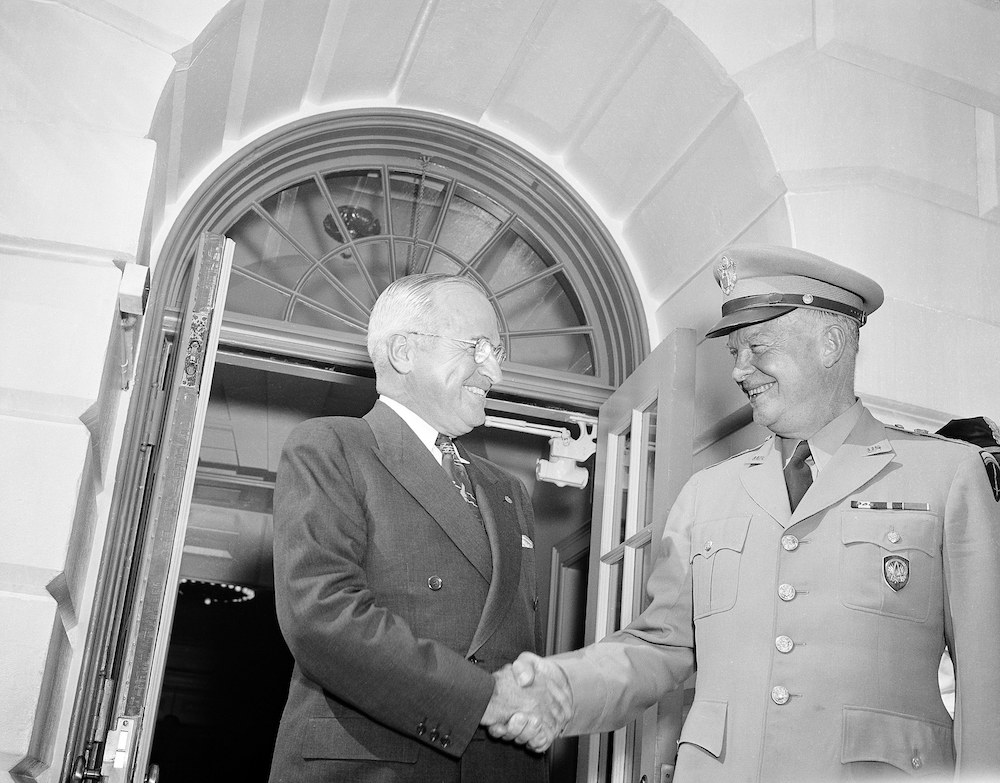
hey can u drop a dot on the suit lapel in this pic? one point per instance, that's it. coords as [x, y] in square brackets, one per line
[862, 457]
[416, 470]
[763, 480]
[504, 532]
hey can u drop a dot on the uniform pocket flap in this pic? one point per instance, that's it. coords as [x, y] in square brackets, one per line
[357, 739]
[712, 536]
[911, 744]
[893, 531]
[705, 725]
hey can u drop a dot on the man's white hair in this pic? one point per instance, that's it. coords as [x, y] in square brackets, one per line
[408, 305]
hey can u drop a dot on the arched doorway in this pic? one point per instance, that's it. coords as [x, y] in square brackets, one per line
[324, 214]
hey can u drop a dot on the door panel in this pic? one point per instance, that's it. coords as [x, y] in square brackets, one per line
[644, 456]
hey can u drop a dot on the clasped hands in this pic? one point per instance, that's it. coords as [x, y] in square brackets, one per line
[531, 702]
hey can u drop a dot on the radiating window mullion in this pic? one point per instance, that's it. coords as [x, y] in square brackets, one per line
[432, 237]
[490, 244]
[349, 240]
[317, 266]
[390, 227]
[295, 296]
[549, 271]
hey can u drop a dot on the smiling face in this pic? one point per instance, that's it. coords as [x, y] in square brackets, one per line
[444, 385]
[787, 367]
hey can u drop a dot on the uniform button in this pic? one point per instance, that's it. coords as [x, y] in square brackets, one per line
[786, 592]
[784, 644]
[708, 546]
[916, 762]
[435, 582]
[893, 537]
[433, 735]
[789, 543]
[779, 695]
[445, 740]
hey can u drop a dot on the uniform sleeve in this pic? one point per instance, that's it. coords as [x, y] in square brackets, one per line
[614, 680]
[340, 638]
[972, 581]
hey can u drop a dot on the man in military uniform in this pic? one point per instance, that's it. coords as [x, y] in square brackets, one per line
[816, 578]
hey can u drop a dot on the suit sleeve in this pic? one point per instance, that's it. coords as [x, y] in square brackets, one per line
[626, 672]
[972, 580]
[339, 636]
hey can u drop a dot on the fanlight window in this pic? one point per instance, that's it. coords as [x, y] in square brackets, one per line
[318, 252]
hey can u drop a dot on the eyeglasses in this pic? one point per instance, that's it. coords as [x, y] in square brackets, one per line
[482, 348]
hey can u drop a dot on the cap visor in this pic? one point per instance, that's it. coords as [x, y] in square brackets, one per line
[754, 315]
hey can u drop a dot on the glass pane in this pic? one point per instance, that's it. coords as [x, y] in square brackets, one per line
[607, 757]
[564, 352]
[410, 258]
[615, 597]
[374, 254]
[543, 304]
[309, 315]
[645, 558]
[254, 298]
[624, 444]
[470, 221]
[360, 206]
[443, 264]
[301, 210]
[318, 288]
[512, 259]
[416, 205]
[645, 516]
[263, 252]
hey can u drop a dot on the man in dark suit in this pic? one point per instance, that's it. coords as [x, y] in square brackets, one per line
[404, 568]
[815, 578]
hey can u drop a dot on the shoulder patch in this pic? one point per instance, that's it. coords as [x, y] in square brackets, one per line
[992, 472]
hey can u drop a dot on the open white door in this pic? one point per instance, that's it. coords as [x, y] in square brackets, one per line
[644, 456]
[136, 633]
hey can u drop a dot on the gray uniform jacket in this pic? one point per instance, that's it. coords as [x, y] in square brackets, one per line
[819, 633]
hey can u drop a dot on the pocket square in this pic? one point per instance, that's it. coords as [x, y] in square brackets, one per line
[526, 542]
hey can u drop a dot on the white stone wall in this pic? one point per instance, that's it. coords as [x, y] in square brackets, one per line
[75, 105]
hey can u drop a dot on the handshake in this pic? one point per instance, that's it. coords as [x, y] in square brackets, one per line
[531, 702]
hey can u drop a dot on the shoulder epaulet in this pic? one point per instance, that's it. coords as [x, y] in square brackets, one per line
[924, 433]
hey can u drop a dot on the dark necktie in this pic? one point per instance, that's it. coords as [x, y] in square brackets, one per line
[452, 462]
[798, 476]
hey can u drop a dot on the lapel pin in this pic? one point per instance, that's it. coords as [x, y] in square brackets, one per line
[506, 499]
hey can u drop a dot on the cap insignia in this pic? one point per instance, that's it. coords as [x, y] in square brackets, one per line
[727, 275]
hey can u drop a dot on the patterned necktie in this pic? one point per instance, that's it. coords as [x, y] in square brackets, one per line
[454, 465]
[798, 476]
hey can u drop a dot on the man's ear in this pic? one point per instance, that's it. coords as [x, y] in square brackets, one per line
[400, 352]
[833, 344]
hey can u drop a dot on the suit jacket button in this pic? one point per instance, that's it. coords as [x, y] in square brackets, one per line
[433, 735]
[473, 659]
[445, 741]
[421, 728]
[534, 604]
[435, 582]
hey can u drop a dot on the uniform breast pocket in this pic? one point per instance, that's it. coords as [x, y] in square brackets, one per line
[716, 551]
[890, 562]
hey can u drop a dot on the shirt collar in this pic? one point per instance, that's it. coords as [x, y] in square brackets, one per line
[824, 444]
[424, 431]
